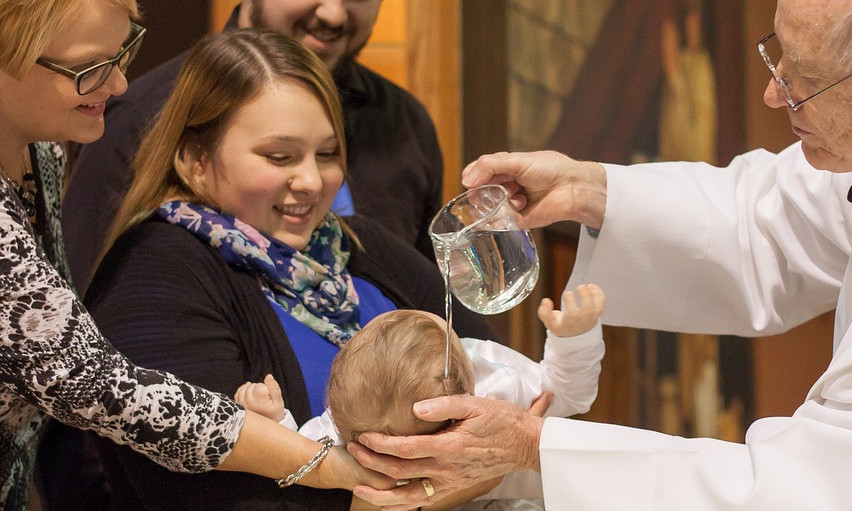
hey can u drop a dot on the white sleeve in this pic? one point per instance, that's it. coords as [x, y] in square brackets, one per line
[321, 426]
[570, 370]
[289, 421]
[573, 366]
[503, 373]
[754, 248]
[785, 464]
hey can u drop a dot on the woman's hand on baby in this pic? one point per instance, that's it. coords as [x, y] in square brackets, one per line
[580, 311]
[263, 398]
[340, 470]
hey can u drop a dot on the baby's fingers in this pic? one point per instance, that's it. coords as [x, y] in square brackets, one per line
[591, 298]
[274, 389]
[545, 309]
[580, 311]
[240, 394]
[569, 301]
[259, 392]
[272, 385]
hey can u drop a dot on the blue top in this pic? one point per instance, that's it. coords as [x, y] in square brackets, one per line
[342, 203]
[315, 353]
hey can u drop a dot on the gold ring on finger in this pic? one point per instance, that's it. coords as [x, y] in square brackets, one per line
[427, 485]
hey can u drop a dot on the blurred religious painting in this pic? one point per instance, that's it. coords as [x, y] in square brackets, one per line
[624, 82]
[688, 107]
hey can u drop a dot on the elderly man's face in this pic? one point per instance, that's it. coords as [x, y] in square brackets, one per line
[333, 29]
[824, 123]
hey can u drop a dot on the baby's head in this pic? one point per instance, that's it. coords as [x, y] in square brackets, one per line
[393, 362]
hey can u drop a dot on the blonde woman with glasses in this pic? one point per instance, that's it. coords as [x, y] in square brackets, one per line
[59, 63]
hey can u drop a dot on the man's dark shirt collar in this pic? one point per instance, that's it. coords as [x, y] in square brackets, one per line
[350, 80]
[232, 21]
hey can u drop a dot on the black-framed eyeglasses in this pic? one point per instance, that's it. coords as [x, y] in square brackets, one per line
[93, 77]
[783, 83]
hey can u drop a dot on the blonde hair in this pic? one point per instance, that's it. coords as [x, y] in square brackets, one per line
[27, 27]
[393, 362]
[222, 73]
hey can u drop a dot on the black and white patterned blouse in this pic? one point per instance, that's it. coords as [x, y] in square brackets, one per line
[54, 361]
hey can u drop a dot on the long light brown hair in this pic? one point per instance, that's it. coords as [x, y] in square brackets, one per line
[222, 73]
[27, 27]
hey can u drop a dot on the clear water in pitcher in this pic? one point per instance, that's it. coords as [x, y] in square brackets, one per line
[488, 271]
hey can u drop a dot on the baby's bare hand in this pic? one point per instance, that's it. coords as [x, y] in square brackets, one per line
[263, 398]
[580, 311]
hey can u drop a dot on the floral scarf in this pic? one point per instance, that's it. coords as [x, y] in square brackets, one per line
[313, 285]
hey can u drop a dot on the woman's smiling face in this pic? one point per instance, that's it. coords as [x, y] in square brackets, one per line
[43, 104]
[278, 164]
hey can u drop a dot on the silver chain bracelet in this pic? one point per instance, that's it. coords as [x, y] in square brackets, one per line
[327, 443]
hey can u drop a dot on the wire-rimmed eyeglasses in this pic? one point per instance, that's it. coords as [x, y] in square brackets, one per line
[783, 83]
[94, 76]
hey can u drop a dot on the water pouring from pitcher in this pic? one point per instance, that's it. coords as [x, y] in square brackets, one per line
[489, 264]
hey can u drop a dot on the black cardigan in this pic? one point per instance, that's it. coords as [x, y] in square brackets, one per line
[168, 301]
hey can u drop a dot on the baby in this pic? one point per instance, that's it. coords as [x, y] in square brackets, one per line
[398, 359]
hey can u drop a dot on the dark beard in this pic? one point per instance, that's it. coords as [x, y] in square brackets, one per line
[257, 20]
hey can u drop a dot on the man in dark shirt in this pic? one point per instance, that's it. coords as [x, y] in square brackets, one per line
[395, 169]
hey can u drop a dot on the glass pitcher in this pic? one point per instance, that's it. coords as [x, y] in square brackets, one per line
[492, 264]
